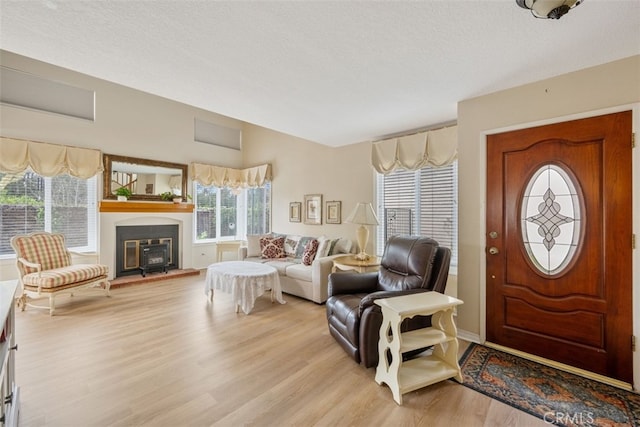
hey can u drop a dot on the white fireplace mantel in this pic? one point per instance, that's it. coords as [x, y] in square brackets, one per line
[110, 220]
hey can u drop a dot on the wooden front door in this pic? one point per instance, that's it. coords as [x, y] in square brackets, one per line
[559, 243]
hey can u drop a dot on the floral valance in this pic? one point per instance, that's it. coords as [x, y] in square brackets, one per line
[45, 159]
[411, 152]
[227, 177]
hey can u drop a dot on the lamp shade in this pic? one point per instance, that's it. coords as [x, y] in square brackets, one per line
[363, 214]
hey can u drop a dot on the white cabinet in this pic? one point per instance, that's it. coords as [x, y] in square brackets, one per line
[440, 364]
[9, 391]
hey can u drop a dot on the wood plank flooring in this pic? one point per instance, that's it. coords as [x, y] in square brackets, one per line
[160, 354]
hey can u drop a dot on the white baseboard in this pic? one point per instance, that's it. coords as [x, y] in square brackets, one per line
[468, 336]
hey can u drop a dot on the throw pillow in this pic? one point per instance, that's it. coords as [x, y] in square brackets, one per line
[310, 252]
[302, 244]
[332, 247]
[253, 244]
[291, 242]
[272, 247]
[323, 247]
[341, 246]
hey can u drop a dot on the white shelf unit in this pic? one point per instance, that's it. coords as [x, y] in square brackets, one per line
[9, 391]
[423, 370]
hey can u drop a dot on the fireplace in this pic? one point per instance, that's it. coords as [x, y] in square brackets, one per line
[144, 248]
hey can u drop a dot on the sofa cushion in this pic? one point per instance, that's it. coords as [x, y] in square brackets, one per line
[272, 247]
[282, 266]
[300, 272]
[309, 253]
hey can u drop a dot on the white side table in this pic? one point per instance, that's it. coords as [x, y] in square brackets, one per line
[226, 246]
[421, 371]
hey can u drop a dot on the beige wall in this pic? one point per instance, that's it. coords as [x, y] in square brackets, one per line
[606, 86]
[599, 90]
[128, 122]
[302, 167]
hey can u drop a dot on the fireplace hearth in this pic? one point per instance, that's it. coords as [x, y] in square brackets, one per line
[145, 248]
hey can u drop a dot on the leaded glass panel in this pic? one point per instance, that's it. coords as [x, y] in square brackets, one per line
[550, 219]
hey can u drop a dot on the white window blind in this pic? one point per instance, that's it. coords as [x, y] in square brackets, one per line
[61, 204]
[422, 202]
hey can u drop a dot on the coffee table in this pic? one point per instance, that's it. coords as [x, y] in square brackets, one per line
[245, 281]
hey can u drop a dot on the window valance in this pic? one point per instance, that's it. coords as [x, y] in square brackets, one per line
[16, 155]
[411, 152]
[228, 177]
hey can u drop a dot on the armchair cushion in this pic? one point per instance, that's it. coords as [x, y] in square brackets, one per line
[47, 250]
[65, 275]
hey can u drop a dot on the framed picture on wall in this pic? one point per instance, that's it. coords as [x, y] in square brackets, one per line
[294, 212]
[333, 212]
[313, 209]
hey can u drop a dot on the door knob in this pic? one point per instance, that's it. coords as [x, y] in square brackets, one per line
[493, 250]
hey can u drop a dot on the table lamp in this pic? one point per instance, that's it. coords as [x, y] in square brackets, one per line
[364, 215]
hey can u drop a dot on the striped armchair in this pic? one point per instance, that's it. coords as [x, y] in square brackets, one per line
[45, 269]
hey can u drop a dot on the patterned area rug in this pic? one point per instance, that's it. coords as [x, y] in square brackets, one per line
[555, 396]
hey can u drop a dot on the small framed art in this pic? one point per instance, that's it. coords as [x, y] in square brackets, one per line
[295, 209]
[313, 209]
[333, 212]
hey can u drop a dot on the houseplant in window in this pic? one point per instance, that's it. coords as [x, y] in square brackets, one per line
[123, 193]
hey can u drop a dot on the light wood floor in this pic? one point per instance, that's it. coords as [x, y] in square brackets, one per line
[160, 354]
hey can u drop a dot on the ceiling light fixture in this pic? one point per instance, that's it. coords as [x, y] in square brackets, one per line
[548, 9]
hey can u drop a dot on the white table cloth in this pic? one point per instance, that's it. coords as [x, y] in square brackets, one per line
[245, 281]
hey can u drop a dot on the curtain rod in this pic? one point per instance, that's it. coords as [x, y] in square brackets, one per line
[417, 131]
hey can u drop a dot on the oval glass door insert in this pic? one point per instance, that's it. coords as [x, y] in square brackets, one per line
[551, 219]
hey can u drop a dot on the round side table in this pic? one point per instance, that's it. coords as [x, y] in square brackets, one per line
[350, 262]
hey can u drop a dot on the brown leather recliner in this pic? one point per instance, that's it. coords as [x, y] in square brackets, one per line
[410, 264]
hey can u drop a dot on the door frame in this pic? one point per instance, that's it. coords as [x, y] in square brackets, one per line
[635, 109]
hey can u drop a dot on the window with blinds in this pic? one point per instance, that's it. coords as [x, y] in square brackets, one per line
[61, 204]
[422, 202]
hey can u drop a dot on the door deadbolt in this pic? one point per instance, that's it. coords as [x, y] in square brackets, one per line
[493, 250]
[493, 234]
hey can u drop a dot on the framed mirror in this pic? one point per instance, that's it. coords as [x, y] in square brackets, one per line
[146, 179]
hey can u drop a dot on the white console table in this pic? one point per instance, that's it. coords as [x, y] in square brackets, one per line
[423, 370]
[9, 391]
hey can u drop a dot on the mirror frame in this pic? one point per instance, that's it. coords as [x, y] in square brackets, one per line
[108, 159]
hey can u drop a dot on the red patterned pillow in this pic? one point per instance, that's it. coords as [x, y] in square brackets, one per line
[272, 247]
[310, 252]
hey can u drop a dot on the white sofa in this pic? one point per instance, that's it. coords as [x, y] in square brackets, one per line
[306, 281]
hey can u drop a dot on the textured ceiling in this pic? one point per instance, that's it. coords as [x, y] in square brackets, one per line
[333, 72]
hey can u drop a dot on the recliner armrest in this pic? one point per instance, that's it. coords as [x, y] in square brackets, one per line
[368, 300]
[352, 283]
